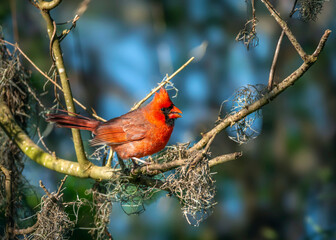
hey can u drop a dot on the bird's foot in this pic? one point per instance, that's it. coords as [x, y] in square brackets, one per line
[135, 165]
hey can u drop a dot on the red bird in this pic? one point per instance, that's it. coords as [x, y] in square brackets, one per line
[136, 134]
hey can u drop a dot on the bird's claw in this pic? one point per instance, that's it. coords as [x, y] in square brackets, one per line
[136, 165]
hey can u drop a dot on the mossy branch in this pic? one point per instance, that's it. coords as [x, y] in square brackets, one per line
[56, 53]
[305, 57]
[309, 60]
[267, 98]
[156, 168]
[34, 152]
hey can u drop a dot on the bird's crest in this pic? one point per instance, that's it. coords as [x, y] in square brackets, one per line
[162, 98]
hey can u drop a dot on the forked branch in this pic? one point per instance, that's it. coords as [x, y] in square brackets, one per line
[267, 98]
[309, 60]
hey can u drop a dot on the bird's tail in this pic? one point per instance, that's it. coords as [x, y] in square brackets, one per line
[66, 121]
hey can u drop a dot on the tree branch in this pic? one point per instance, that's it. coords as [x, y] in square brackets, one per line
[57, 53]
[288, 32]
[268, 97]
[157, 168]
[224, 158]
[47, 6]
[321, 44]
[34, 152]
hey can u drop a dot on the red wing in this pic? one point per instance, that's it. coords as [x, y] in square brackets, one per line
[127, 128]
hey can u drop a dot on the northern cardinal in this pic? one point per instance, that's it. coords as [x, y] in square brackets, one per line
[136, 134]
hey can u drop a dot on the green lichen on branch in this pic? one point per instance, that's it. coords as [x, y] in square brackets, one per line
[34, 152]
[56, 54]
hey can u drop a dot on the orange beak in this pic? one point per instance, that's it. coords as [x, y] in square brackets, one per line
[175, 113]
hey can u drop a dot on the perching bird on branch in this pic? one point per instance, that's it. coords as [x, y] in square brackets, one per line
[136, 134]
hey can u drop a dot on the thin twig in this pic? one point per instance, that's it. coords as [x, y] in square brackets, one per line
[253, 16]
[84, 163]
[41, 140]
[293, 9]
[61, 185]
[137, 105]
[66, 32]
[275, 59]
[45, 190]
[80, 11]
[51, 42]
[276, 53]
[40, 71]
[224, 158]
[321, 44]
[31, 91]
[94, 114]
[288, 32]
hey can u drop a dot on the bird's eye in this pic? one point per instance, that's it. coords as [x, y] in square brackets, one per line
[167, 109]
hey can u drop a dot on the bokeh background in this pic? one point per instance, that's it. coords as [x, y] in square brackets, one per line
[284, 185]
